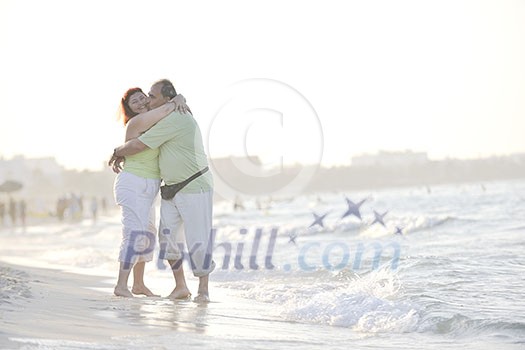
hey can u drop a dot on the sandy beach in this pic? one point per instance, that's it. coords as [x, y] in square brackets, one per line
[58, 309]
[52, 309]
[42, 306]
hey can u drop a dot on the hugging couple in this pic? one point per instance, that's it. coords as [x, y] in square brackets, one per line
[163, 141]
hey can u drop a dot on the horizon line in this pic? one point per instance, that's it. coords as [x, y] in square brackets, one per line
[321, 165]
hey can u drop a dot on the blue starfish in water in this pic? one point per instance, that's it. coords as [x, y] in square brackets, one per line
[379, 218]
[353, 209]
[318, 220]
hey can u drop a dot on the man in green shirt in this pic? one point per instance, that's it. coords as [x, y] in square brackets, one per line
[182, 155]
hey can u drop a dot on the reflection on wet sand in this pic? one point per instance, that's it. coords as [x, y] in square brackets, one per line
[159, 312]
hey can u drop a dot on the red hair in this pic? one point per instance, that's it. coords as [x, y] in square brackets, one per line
[125, 112]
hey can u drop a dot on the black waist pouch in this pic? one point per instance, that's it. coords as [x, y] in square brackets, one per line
[167, 192]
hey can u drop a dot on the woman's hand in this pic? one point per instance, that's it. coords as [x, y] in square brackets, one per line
[115, 162]
[180, 104]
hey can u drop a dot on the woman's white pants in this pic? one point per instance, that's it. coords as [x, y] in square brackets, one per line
[136, 196]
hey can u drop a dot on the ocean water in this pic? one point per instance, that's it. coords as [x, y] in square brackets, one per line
[453, 276]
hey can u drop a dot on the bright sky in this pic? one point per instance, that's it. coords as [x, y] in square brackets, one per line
[291, 79]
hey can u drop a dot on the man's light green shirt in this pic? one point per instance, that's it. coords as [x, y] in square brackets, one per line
[179, 140]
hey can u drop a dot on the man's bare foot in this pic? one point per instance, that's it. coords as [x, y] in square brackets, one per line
[143, 290]
[122, 292]
[180, 293]
[202, 298]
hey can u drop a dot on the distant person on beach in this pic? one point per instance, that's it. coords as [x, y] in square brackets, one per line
[182, 158]
[237, 204]
[80, 201]
[104, 204]
[74, 207]
[94, 209]
[12, 211]
[61, 207]
[2, 213]
[22, 207]
[136, 188]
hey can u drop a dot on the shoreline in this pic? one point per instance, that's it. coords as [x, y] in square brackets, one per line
[50, 304]
[47, 308]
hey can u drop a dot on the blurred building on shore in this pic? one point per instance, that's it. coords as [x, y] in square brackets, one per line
[45, 181]
[388, 159]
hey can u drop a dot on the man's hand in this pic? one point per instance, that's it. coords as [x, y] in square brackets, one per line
[180, 104]
[115, 162]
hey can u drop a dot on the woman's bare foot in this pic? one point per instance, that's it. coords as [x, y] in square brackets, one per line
[122, 292]
[143, 290]
[180, 293]
[202, 298]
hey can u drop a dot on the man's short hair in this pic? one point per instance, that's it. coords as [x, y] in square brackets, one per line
[167, 89]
